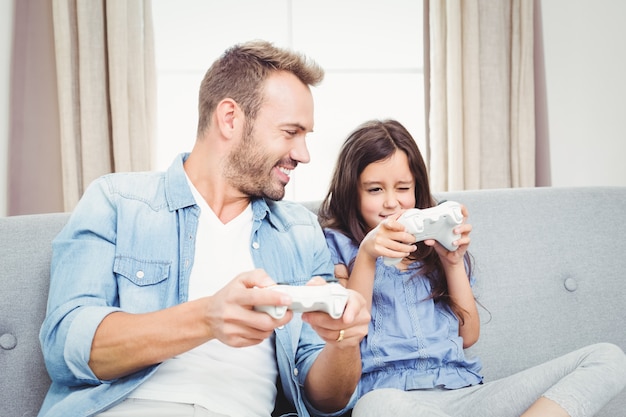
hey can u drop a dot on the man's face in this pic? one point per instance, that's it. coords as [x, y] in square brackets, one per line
[261, 163]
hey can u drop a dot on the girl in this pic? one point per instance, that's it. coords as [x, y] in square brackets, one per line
[423, 309]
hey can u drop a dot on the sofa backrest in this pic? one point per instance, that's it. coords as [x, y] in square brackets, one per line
[550, 264]
[25, 248]
[551, 274]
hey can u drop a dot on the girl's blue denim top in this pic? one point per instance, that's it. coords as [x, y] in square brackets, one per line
[412, 342]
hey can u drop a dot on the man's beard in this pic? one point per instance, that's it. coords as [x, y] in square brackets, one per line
[247, 169]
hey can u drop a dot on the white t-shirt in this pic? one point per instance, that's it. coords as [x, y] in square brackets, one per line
[227, 380]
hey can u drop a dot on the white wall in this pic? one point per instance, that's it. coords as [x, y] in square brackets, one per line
[585, 74]
[585, 54]
[371, 50]
[6, 43]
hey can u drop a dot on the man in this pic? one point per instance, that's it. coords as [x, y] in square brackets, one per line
[144, 315]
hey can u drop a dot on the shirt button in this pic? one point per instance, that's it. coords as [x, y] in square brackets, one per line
[139, 274]
[295, 372]
[256, 245]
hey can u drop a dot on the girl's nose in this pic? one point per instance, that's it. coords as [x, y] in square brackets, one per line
[390, 200]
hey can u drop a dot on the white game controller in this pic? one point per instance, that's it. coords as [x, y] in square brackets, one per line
[432, 223]
[330, 298]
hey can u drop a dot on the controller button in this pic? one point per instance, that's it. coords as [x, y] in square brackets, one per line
[571, 285]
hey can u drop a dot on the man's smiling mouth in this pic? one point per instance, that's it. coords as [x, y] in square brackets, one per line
[285, 171]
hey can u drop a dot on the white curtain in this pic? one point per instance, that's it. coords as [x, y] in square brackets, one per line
[481, 109]
[107, 89]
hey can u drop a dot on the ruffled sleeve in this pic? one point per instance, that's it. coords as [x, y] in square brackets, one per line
[342, 250]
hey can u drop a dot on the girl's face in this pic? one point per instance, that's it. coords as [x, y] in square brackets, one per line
[386, 188]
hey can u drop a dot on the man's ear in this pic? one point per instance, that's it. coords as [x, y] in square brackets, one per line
[228, 117]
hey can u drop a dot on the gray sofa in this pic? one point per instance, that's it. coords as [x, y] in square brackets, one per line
[550, 263]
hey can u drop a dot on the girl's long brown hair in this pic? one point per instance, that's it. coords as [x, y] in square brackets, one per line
[374, 141]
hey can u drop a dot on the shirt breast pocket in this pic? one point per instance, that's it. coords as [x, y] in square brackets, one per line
[142, 284]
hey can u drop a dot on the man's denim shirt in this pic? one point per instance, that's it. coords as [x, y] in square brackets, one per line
[129, 246]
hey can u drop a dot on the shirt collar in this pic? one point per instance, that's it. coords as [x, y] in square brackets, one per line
[177, 190]
[179, 194]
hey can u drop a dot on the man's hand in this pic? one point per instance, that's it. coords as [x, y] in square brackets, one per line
[125, 342]
[336, 372]
[230, 314]
[352, 326]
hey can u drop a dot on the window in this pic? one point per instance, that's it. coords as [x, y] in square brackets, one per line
[372, 52]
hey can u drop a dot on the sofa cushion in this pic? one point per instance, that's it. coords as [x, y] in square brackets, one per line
[25, 265]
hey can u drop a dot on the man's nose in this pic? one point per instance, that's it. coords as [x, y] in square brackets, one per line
[300, 152]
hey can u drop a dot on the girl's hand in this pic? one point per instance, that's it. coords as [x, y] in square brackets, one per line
[451, 258]
[389, 239]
